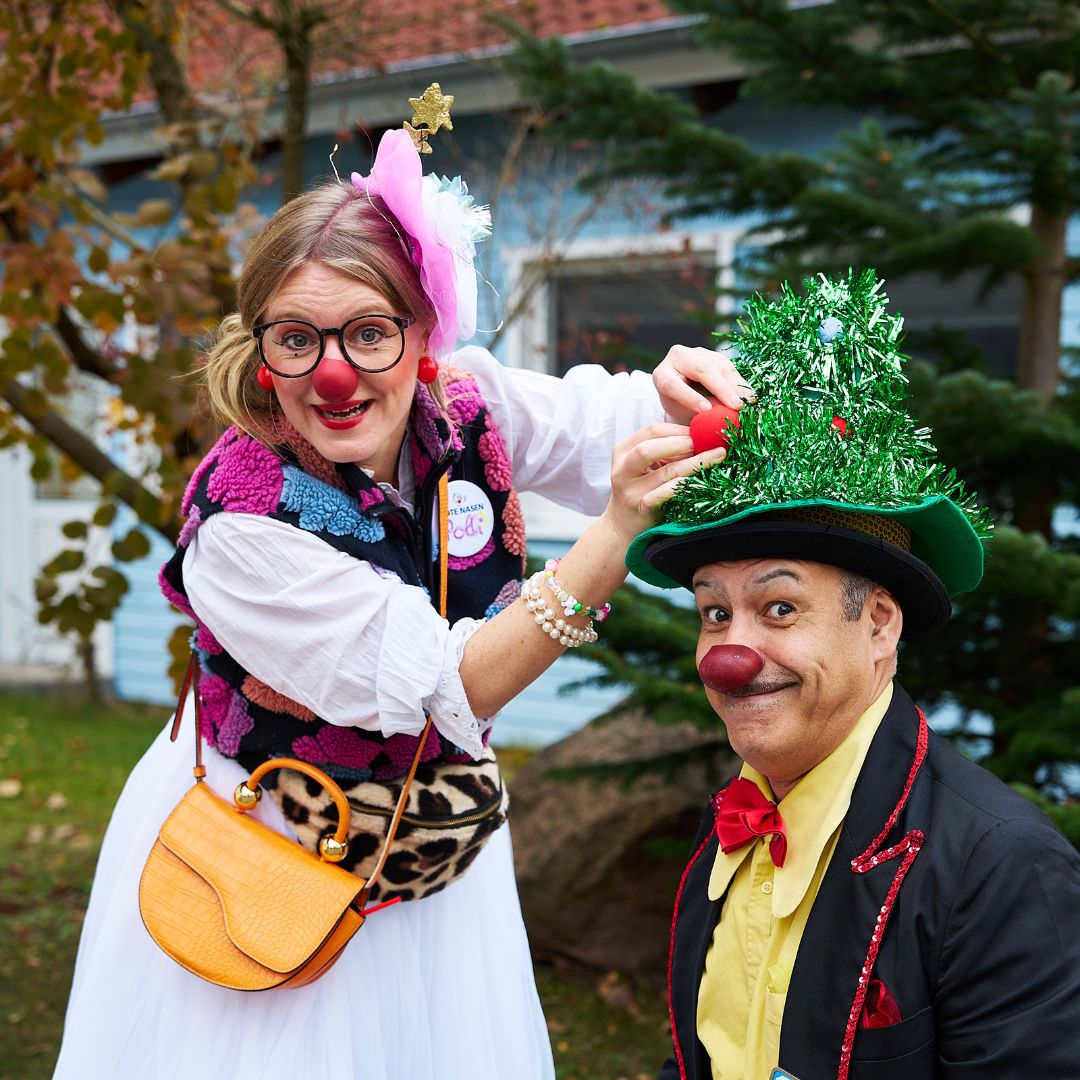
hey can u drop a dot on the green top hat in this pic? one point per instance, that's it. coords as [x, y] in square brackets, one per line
[826, 464]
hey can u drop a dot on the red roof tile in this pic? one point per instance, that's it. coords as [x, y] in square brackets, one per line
[224, 54]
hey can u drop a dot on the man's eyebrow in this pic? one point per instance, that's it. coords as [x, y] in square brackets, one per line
[779, 571]
[704, 583]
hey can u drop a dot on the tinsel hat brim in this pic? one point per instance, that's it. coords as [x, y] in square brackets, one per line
[946, 557]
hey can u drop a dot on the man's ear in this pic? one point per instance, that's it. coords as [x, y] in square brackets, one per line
[886, 622]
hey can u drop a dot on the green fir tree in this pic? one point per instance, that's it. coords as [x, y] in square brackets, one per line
[959, 156]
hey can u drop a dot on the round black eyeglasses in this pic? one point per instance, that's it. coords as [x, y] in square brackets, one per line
[293, 348]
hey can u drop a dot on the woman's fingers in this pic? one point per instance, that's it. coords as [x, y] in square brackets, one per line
[649, 445]
[667, 475]
[658, 453]
[646, 469]
[654, 453]
[713, 370]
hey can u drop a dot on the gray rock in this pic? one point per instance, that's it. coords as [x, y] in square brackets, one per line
[599, 860]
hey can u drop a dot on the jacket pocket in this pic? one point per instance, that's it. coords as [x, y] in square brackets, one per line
[911, 1039]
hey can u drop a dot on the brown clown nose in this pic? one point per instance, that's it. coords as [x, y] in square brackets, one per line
[727, 668]
[335, 380]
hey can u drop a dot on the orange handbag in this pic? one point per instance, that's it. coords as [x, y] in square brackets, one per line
[241, 905]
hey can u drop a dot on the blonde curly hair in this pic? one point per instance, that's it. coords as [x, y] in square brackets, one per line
[337, 226]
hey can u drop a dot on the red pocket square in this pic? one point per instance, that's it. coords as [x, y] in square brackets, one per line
[880, 1008]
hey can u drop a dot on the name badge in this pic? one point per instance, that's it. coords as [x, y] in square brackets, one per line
[471, 519]
[782, 1074]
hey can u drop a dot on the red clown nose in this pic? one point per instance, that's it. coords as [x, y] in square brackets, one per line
[335, 379]
[729, 667]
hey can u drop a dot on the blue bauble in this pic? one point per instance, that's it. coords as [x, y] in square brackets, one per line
[830, 329]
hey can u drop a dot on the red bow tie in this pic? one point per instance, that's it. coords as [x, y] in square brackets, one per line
[742, 813]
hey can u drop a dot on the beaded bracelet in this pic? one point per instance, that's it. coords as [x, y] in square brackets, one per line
[570, 605]
[557, 629]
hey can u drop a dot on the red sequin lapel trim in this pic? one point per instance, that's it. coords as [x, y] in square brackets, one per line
[671, 956]
[909, 848]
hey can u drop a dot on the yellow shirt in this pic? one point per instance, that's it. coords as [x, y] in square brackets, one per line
[749, 963]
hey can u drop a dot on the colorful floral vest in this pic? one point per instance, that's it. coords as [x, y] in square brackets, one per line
[245, 719]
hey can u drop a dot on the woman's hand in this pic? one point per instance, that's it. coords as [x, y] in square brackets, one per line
[713, 370]
[645, 470]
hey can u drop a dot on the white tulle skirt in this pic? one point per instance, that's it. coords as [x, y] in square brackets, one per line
[436, 989]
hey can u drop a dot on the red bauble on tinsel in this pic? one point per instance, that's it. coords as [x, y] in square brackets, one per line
[709, 429]
[840, 424]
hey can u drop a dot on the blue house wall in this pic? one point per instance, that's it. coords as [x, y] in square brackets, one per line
[539, 715]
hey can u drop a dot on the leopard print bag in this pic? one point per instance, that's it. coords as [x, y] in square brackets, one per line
[452, 810]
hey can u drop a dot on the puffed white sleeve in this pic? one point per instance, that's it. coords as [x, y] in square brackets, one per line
[354, 644]
[559, 433]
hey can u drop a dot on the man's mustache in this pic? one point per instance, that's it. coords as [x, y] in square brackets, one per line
[764, 686]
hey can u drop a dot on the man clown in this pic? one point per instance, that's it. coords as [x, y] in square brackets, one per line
[861, 902]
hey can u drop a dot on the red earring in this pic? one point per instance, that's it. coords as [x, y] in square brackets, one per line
[264, 378]
[427, 371]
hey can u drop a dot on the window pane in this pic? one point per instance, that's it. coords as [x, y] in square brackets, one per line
[628, 316]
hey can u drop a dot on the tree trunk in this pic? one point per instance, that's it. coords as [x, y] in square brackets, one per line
[155, 31]
[1040, 329]
[88, 659]
[297, 46]
[1038, 369]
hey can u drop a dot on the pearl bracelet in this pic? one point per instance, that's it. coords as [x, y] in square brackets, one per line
[570, 605]
[559, 630]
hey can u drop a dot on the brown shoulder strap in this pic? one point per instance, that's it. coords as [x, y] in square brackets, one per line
[191, 681]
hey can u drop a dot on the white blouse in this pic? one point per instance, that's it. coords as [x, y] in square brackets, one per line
[358, 646]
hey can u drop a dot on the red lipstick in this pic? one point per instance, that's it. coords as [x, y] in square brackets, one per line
[335, 418]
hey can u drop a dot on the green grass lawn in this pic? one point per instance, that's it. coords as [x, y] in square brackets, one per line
[62, 764]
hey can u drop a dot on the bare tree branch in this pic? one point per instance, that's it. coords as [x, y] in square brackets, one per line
[248, 14]
[293, 26]
[980, 43]
[82, 355]
[84, 452]
[97, 215]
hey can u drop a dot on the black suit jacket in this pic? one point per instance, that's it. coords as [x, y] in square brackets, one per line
[981, 950]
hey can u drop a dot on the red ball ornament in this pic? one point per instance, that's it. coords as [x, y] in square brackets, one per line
[264, 378]
[709, 429]
[840, 424]
[727, 668]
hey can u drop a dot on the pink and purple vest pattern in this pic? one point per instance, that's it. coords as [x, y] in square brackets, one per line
[243, 717]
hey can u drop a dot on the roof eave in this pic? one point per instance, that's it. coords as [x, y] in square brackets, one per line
[660, 54]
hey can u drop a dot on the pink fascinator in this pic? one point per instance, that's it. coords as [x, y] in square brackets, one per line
[441, 225]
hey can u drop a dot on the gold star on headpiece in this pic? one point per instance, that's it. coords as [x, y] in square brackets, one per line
[430, 113]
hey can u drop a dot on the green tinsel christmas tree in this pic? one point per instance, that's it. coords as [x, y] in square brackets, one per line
[829, 422]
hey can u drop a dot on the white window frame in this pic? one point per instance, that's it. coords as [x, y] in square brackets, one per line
[527, 341]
